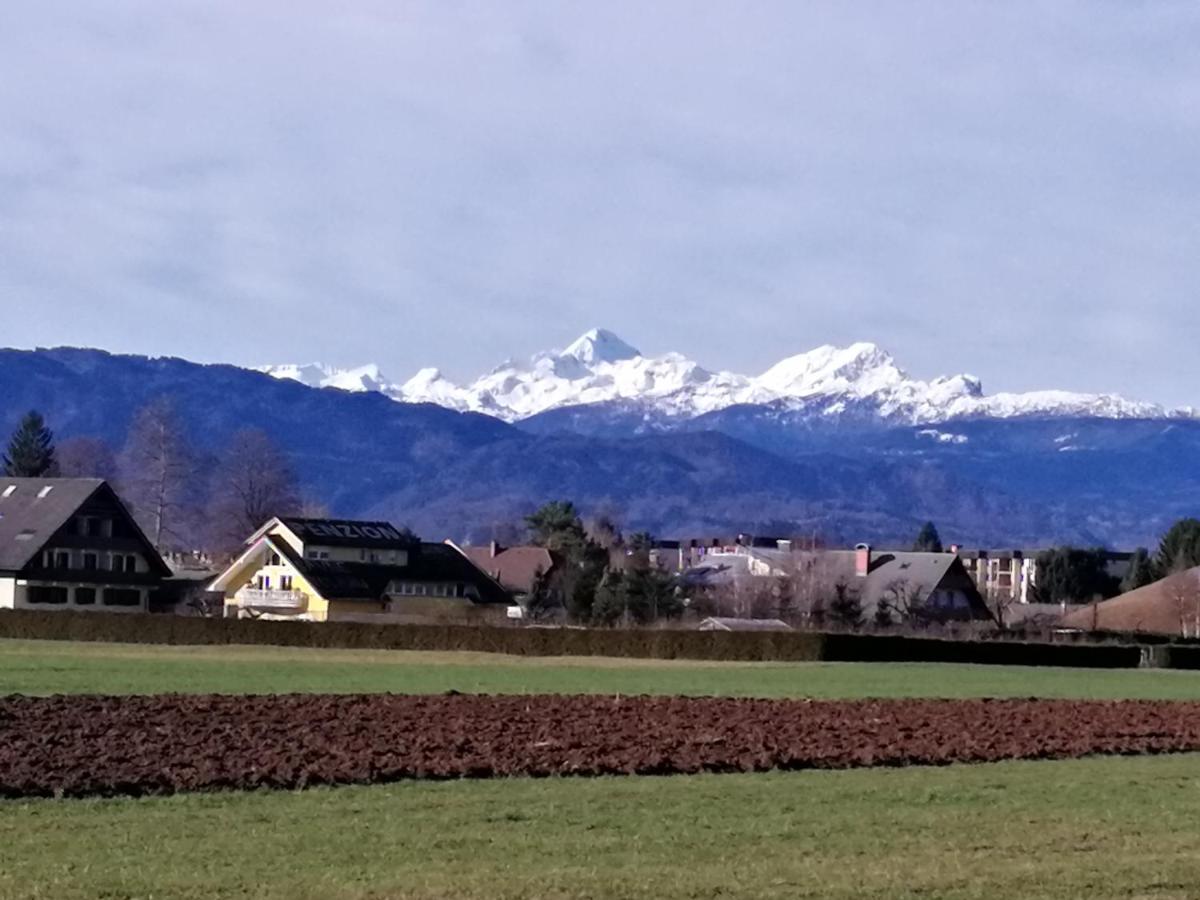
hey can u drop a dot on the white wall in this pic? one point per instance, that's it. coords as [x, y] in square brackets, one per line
[8, 592]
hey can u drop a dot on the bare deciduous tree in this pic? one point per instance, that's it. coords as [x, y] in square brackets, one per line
[157, 473]
[902, 602]
[253, 482]
[1183, 591]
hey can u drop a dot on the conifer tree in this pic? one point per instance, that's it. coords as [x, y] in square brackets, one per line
[928, 540]
[30, 452]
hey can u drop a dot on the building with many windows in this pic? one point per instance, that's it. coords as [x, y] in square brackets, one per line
[70, 543]
[330, 569]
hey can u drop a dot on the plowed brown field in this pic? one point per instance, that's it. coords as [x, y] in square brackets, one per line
[80, 745]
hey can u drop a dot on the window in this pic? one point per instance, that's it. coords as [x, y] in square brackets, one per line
[9, 491]
[122, 597]
[41, 593]
[285, 582]
[124, 562]
[274, 559]
[90, 562]
[85, 596]
[62, 559]
[45, 492]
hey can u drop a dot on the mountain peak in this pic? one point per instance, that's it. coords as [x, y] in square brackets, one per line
[862, 367]
[859, 379]
[600, 346]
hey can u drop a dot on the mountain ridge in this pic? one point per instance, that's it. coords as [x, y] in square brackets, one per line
[1023, 482]
[600, 369]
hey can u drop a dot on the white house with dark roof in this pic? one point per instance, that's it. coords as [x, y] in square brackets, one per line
[70, 543]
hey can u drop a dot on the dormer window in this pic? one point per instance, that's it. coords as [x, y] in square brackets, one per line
[45, 491]
[9, 491]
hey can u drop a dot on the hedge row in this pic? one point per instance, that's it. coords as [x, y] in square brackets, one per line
[779, 646]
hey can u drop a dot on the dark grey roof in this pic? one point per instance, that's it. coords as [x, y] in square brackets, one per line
[30, 515]
[347, 533]
[427, 563]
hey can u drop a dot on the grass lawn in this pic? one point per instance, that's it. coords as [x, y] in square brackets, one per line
[1097, 828]
[46, 667]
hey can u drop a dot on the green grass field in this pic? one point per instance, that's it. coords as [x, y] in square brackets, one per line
[45, 667]
[1097, 828]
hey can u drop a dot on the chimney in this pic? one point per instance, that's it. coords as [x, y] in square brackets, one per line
[493, 549]
[862, 560]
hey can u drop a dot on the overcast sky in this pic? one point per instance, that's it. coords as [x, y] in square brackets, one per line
[1003, 188]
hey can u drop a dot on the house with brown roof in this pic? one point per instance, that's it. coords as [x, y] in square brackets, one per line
[1169, 606]
[333, 569]
[516, 568]
[70, 543]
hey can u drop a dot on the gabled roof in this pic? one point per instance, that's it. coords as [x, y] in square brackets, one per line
[33, 510]
[1167, 606]
[345, 580]
[349, 533]
[515, 568]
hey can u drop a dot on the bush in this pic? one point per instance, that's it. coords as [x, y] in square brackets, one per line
[784, 646]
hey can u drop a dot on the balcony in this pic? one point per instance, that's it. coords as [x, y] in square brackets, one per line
[256, 598]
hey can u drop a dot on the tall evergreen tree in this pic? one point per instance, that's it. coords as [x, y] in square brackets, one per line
[1180, 548]
[1072, 575]
[30, 452]
[1141, 571]
[928, 540]
[558, 528]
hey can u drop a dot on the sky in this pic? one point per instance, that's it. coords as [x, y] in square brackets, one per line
[1008, 189]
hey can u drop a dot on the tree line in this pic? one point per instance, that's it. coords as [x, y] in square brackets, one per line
[184, 499]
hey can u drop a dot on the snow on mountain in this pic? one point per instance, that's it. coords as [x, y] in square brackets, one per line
[364, 378]
[827, 382]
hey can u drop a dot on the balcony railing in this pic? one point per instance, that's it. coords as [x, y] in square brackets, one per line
[257, 598]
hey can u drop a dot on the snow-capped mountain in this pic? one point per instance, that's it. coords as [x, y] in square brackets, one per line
[319, 375]
[599, 368]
